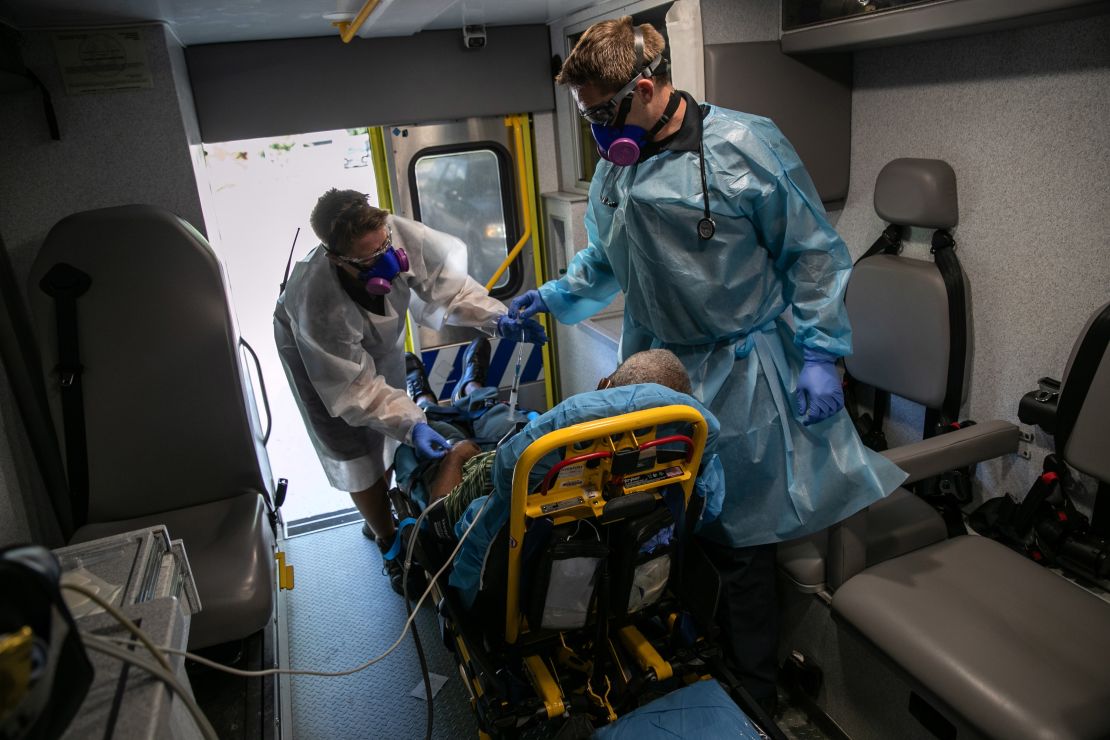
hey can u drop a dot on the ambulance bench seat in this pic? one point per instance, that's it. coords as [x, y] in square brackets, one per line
[1009, 646]
[171, 427]
[902, 343]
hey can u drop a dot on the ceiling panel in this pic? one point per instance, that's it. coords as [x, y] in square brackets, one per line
[214, 21]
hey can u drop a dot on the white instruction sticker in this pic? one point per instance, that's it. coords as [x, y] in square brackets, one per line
[103, 60]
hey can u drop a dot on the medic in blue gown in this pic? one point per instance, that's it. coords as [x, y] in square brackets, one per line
[709, 224]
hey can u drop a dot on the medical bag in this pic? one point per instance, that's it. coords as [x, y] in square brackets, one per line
[641, 561]
[566, 579]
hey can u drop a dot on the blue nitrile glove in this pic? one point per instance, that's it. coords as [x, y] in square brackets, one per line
[527, 305]
[428, 443]
[525, 330]
[820, 393]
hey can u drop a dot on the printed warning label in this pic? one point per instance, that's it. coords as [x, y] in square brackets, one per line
[631, 481]
[571, 476]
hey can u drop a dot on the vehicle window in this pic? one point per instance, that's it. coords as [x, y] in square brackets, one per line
[462, 193]
[588, 156]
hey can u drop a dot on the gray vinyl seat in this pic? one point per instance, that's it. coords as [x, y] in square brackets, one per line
[1003, 645]
[902, 344]
[173, 432]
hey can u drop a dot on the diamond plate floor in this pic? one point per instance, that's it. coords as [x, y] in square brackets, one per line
[341, 613]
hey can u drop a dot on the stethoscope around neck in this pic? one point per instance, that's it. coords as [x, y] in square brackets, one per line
[705, 228]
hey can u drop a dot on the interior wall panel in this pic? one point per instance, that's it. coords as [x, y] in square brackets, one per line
[268, 88]
[1022, 116]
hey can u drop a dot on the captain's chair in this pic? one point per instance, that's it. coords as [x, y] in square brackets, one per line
[1001, 646]
[149, 380]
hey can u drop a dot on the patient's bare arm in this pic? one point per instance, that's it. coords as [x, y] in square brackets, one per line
[449, 474]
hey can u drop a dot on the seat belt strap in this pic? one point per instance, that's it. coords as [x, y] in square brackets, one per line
[944, 252]
[65, 284]
[889, 242]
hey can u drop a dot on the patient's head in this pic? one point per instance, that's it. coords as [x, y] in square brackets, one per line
[651, 366]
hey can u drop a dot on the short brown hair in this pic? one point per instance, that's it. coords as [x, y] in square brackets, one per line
[342, 216]
[605, 55]
[653, 366]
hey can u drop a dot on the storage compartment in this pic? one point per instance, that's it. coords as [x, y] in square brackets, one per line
[832, 25]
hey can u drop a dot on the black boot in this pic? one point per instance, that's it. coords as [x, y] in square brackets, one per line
[475, 365]
[416, 381]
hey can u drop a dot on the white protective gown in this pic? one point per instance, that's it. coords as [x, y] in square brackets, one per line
[345, 364]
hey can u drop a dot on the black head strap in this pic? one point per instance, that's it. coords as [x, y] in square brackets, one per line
[646, 71]
[672, 106]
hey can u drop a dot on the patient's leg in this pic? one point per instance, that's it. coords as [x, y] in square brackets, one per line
[450, 471]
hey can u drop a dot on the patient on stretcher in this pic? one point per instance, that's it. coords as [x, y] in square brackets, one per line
[476, 467]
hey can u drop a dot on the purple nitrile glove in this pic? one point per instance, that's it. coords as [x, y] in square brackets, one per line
[523, 330]
[428, 443]
[820, 393]
[527, 305]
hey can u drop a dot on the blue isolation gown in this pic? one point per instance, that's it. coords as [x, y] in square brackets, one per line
[725, 307]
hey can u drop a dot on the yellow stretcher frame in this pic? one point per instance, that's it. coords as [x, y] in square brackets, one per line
[612, 434]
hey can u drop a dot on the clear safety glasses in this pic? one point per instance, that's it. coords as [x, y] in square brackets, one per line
[361, 263]
[604, 114]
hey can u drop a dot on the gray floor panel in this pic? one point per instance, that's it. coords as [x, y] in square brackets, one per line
[341, 613]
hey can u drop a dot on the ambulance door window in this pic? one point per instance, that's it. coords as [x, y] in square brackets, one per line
[467, 192]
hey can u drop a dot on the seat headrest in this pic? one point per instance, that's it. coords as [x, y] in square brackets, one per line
[918, 192]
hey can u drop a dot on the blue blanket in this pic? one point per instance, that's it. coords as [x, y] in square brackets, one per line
[699, 711]
[467, 573]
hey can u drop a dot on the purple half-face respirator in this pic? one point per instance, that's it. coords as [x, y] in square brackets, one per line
[621, 146]
[379, 277]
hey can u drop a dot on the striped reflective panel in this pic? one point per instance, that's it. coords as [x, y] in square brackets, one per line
[444, 365]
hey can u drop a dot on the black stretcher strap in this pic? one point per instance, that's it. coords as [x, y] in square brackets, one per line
[944, 252]
[65, 284]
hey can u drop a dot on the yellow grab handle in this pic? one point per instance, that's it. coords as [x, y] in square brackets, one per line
[522, 173]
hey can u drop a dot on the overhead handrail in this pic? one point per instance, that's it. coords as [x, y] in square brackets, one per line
[522, 186]
[348, 29]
